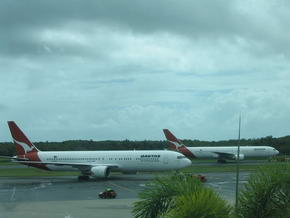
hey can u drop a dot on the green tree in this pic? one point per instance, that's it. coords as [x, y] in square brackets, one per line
[267, 194]
[179, 196]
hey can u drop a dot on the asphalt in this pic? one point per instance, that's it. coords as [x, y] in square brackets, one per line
[67, 197]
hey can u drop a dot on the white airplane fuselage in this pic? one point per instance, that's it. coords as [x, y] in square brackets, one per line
[246, 151]
[124, 161]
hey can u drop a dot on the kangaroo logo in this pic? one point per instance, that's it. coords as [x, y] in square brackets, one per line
[25, 147]
[176, 144]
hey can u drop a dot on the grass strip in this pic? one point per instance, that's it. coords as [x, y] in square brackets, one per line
[229, 168]
[29, 172]
[6, 162]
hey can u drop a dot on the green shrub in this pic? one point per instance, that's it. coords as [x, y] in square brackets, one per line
[203, 203]
[267, 194]
[179, 196]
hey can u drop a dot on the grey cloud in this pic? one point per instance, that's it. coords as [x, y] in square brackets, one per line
[140, 15]
[20, 21]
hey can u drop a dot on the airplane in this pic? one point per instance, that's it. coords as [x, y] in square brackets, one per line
[220, 153]
[96, 164]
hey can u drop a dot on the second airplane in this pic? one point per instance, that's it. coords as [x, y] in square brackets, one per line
[220, 153]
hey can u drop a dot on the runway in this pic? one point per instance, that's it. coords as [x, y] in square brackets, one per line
[67, 197]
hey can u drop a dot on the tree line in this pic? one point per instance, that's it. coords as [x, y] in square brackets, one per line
[282, 144]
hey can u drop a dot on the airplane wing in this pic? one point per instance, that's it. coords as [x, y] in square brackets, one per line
[6, 157]
[13, 158]
[81, 166]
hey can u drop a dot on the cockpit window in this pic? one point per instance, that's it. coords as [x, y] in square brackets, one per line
[180, 157]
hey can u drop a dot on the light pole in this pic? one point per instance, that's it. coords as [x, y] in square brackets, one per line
[238, 166]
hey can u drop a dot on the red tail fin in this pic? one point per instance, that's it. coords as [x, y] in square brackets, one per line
[22, 143]
[172, 140]
[175, 144]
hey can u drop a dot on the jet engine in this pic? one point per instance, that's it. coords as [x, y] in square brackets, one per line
[242, 157]
[100, 171]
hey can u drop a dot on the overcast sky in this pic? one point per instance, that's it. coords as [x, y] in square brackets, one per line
[104, 69]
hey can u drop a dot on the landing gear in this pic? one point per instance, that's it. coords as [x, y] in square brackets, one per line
[221, 161]
[83, 178]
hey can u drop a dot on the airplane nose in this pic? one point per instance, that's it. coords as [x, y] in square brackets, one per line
[187, 162]
[277, 152]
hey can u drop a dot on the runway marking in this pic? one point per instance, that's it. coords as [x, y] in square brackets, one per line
[122, 187]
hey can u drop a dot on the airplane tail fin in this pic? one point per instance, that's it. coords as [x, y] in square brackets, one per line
[22, 143]
[172, 140]
[176, 144]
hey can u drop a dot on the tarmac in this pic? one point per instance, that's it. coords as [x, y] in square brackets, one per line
[66, 197]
